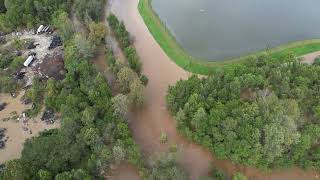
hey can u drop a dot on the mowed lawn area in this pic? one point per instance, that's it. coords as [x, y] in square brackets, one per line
[176, 53]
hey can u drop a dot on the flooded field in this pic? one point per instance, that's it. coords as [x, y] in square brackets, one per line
[125, 171]
[17, 132]
[220, 29]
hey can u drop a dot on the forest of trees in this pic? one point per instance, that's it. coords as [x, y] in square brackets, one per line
[263, 113]
[29, 13]
[89, 10]
[93, 138]
[19, 13]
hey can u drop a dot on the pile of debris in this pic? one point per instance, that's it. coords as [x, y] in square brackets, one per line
[25, 101]
[2, 106]
[2, 137]
[48, 117]
[56, 41]
[19, 75]
[52, 66]
[32, 45]
[2, 168]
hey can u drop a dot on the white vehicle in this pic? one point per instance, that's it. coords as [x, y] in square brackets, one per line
[28, 61]
[46, 29]
[40, 29]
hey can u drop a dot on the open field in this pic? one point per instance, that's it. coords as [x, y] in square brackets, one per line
[170, 46]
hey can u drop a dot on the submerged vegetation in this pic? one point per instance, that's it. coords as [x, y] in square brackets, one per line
[177, 54]
[263, 113]
[123, 38]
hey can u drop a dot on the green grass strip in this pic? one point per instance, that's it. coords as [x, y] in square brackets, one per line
[200, 66]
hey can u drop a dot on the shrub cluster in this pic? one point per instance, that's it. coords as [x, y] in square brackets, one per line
[123, 38]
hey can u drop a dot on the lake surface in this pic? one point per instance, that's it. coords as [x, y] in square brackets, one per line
[222, 29]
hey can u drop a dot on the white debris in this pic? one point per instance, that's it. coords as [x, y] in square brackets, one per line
[40, 29]
[43, 42]
[28, 61]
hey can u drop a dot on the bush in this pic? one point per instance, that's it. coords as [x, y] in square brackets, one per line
[133, 59]
[16, 64]
[144, 79]
[122, 36]
[5, 60]
[239, 176]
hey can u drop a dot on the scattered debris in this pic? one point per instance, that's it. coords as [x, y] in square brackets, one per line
[26, 101]
[31, 45]
[2, 135]
[2, 106]
[24, 128]
[56, 41]
[18, 53]
[48, 116]
[52, 66]
[3, 40]
[32, 53]
[5, 119]
[2, 168]
[13, 94]
[19, 75]
[28, 61]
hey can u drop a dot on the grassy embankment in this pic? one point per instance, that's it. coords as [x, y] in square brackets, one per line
[169, 44]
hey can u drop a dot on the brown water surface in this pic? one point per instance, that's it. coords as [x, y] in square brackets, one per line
[148, 123]
[15, 132]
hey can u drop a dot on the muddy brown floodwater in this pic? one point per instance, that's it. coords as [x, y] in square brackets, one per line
[16, 134]
[148, 123]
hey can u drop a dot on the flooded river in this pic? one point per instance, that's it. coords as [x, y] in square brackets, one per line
[148, 123]
[219, 29]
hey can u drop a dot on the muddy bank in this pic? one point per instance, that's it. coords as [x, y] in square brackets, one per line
[124, 171]
[15, 129]
[309, 58]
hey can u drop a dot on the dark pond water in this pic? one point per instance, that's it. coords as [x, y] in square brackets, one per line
[220, 29]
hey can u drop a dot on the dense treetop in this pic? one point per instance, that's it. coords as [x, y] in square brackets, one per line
[264, 113]
[17, 13]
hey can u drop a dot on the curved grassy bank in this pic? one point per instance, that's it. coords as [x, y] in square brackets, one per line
[172, 48]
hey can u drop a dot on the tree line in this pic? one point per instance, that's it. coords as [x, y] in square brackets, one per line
[28, 13]
[123, 38]
[263, 113]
